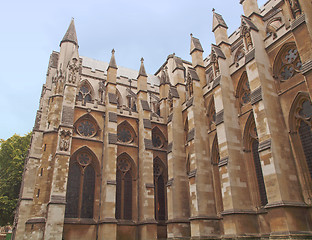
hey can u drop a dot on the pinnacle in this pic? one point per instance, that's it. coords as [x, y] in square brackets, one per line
[70, 35]
[112, 62]
[217, 20]
[195, 44]
[142, 71]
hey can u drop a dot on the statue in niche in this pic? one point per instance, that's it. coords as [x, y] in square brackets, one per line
[248, 40]
[64, 141]
[73, 70]
[189, 86]
[216, 67]
[295, 8]
[101, 90]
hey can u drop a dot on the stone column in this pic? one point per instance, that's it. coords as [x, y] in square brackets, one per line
[147, 224]
[178, 225]
[108, 222]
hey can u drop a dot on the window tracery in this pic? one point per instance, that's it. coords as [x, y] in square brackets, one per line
[80, 187]
[157, 138]
[125, 134]
[288, 63]
[253, 146]
[84, 94]
[86, 126]
[124, 188]
[303, 115]
[159, 190]
[243, 91]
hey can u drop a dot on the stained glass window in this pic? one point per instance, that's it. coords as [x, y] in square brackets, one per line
[244, 92]
[123, 190]
[260, 180]
[157, 141]
[86, 128]
[288, 63]
[84, 94]
[80, 187]
[159, 192]
[124, 135]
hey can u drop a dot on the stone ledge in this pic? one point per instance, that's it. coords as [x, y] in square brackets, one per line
[192, 173]
[82, 221]
[35, 220]
[238, 211]
[287, 204]
[306, 67]
[297, 22]
[223, 162]
[177, 220]
[202, 217]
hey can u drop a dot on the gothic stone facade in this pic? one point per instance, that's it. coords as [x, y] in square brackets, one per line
[216, 148]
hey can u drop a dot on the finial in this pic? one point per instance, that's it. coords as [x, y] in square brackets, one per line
[191, 34]
[113, 51]
[142, 60]
[213, 9]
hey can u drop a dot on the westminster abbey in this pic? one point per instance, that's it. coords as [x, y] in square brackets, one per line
[216, 148]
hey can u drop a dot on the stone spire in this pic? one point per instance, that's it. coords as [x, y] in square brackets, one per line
[195, 44]
[112, 62]
[70, 35]
[219, 28]
[142, 71]
[217, 21]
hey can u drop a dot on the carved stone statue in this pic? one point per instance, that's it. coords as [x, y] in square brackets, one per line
[65, 140]
[73, 70]
[295, 8]
[101, 90]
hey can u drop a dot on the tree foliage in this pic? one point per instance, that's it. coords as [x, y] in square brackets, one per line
[13, 152]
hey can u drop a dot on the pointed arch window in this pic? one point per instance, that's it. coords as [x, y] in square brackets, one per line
[158, 138]
[254, 145]
[287, 63]
[85, 93]
[303, 117]
[243, 90]
[124, 180]
[125, 133]
[160, 190]
[86, 126]
[80, 187]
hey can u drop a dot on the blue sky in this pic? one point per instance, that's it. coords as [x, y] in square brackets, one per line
[31, 30]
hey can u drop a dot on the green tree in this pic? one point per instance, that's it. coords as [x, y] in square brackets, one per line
[13, 152]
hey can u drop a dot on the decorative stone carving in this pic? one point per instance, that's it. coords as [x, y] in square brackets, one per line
[101, 90]
[64, 140]
[73, 70]
[295, 8]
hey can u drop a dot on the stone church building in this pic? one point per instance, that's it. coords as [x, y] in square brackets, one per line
[216, 148]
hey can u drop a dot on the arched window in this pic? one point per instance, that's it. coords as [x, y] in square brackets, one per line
[160, 176]
[86, 126]
[243, 90]
[85, 93]
[124, 178]
[158, 138]
[287, 62]
[303, 115]
[125, 133]
[215, 159]
[80, 186]
[252, 145]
